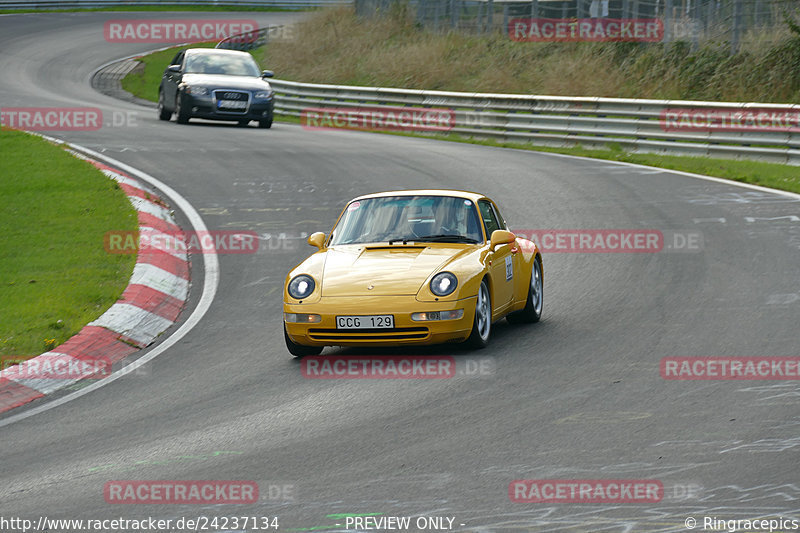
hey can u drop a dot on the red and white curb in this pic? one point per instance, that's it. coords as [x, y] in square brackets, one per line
[156, 294]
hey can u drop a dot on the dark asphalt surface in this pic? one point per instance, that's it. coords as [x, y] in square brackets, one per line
[577, 396]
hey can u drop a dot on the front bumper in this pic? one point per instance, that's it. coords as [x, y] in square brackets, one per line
[405, 331]
[203, 106]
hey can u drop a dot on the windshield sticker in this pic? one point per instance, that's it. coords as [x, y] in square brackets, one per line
[354, 206]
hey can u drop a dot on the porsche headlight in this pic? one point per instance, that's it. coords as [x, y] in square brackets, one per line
[301, 287]
[443, 283]
[264, 95]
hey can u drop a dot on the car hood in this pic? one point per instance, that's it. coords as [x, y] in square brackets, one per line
[390, 270]
[251, 83]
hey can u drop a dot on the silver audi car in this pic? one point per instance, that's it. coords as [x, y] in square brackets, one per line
[216, 84]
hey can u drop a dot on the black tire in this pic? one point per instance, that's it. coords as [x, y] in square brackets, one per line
[482, 322]
[266, 123]
[298, 350]
[163, 114]
[532, 312]
[183, 115]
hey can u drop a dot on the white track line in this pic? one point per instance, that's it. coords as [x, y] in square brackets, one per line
[671, 171]
[210, 284]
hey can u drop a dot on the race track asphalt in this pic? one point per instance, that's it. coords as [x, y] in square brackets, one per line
[577, 396]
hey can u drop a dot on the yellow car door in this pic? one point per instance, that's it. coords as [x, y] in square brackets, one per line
[503, 268]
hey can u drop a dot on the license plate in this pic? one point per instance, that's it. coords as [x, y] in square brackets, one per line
[365, 322]
[231, 104]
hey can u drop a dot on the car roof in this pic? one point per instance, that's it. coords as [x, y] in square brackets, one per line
[474, 196]
[198, 51]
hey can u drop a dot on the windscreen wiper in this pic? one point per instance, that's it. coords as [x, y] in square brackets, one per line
[447, 238]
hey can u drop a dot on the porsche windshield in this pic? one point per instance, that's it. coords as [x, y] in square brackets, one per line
[409, 218]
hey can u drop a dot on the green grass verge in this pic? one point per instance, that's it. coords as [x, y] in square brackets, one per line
[775, 175]
[55, 275]
[339, 47]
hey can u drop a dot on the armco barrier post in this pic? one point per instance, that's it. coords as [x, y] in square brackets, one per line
[737, 26]
[668, 21]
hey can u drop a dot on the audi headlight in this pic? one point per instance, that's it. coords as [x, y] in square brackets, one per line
[443, 283]
[301, 287]
[197, 91]
[264, 95]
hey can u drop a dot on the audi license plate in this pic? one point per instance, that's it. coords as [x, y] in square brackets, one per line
[365, 322]
[231, 104]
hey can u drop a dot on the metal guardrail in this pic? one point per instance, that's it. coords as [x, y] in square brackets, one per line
[249, 41]
[101, 4]
[768, 132]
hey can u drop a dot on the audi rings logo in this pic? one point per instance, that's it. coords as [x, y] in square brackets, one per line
[230, 95]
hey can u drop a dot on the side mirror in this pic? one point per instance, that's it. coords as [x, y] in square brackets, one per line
[501, 236]
[317, 239]
[174, 68]
[267, 74]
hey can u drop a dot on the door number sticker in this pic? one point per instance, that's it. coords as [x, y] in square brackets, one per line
[509, 268]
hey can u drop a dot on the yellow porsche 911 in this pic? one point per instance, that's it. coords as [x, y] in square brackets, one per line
[411, 267]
